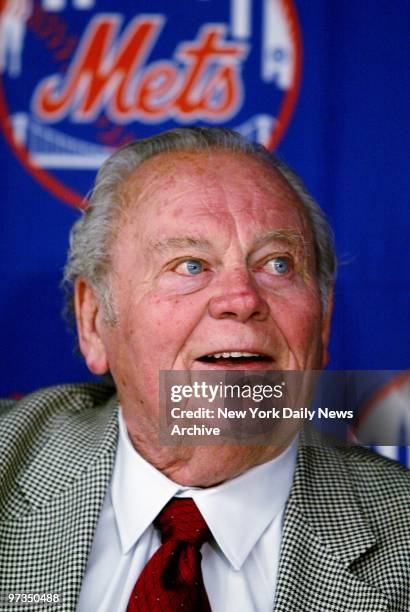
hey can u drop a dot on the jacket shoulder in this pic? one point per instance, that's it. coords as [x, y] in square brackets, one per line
[380, 486]
[52, 400]
[377, 477]
[26, 424]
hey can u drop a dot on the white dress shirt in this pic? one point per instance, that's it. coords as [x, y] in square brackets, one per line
[245, 516]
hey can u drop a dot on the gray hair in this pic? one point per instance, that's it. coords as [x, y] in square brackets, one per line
[90, 236]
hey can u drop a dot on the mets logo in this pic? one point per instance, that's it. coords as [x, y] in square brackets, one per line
[383, 418]
[79, 78]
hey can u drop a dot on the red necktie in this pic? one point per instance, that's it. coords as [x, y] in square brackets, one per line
[172, 578]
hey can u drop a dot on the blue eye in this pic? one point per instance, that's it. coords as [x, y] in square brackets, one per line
[279, 265]
[191, 267]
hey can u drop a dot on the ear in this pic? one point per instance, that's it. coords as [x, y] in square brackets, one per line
[89, 323]
[326, 321]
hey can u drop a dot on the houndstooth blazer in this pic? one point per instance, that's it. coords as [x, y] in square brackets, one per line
[346, 538]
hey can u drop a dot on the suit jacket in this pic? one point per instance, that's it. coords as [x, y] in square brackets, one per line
[346, 537]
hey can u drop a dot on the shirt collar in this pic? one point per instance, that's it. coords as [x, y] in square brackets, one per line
[138, 490]
[237, 511]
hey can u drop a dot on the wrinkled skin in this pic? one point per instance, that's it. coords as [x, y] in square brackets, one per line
[212, 253]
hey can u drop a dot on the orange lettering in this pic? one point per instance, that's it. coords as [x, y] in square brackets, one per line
[199, 56]
[98, 71]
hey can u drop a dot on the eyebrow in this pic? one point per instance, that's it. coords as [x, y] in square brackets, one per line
[179, 242]
[290, 237]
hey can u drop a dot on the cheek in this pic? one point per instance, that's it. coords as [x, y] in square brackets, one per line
[162, 324]
[300, 321]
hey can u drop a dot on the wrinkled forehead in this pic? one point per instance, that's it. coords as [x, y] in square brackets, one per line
[183, 171]
[214, 197]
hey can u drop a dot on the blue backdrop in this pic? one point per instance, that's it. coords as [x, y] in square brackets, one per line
[326, 83]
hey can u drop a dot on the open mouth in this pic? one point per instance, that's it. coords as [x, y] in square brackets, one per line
[236, 359]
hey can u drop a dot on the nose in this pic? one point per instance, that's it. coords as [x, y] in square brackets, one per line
[238, 298]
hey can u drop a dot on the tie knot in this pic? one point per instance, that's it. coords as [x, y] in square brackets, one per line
[180, 520]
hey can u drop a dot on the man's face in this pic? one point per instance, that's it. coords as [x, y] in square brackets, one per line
[213, 267]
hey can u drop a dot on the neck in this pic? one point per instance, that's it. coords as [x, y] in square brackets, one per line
[203, 466]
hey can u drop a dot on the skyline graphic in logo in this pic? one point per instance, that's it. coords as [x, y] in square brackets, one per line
[79, 78]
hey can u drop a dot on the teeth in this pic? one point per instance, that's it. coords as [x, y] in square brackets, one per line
[234, 354]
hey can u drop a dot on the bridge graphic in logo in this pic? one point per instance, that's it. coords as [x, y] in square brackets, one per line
[81, 78]
[50, 148]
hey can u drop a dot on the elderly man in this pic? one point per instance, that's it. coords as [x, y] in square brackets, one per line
[197, 251]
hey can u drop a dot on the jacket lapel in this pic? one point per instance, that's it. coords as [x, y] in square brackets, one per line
[47, 545]
[324, 534]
